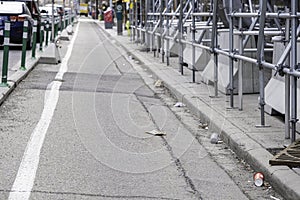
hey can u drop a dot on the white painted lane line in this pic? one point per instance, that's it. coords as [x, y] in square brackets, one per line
[24, 181]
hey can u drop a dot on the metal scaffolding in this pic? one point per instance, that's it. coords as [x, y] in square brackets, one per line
[163, 25]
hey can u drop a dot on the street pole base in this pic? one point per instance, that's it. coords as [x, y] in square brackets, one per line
[23, 68]
[4, 85]
[262, 126]
[231, 108]
[214, 97]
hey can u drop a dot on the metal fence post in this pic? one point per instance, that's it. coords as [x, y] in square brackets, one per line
[5, 54]
[231, 51]
[180, 38]
[24, 45]
[294, 67]
[260, 55]
[214, 45]
[241, 63]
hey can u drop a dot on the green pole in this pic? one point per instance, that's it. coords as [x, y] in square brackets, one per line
[52, 31]
[34, 39]
[62, 23]
[67, 20]
[24, 45]
[56, 28]
[5, 54]
[42, 35]
[47, 33]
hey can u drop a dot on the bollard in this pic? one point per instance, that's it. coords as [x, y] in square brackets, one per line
[128, 27]
[5, 54]
[47, 33]
[56, 28]
[62, 23]
[34, 39]
[42, 35]
[66, 21]
[24, 45]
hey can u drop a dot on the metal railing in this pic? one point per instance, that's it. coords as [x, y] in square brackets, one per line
[163, 22]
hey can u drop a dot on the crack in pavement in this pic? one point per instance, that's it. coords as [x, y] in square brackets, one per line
[93, 195]
[177, 161]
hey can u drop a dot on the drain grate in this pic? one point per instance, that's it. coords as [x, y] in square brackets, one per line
[290, 156]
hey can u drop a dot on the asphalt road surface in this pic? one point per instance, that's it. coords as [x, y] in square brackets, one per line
[77, 131]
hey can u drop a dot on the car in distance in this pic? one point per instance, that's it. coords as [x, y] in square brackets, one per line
[46, 11]
[16, 13]
[35, 13]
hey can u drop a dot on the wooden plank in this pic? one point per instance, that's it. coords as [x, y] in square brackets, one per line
[290, 156]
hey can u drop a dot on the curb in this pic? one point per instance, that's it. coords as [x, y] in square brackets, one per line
[283, 179]
[15, 79]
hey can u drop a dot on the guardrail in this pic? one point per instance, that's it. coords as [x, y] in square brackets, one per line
[164, 22]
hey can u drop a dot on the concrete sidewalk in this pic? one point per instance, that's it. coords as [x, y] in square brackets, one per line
[236, 128]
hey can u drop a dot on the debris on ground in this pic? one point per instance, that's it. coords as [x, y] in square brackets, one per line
[214, 138]
[258, 179]
[203, 125]
[274, 198]
[159, 83]
[156, 133]
[179, 104]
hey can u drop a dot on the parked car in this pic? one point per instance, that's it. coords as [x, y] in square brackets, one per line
[58, 7]
[46, 11]
[35, 13]
[60, 11]
[16, 13]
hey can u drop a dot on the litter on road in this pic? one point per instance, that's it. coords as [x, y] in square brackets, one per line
[179, 104]
[158, 83]
[258, 179]
[203, 125]
[214, 138]
[156, 133]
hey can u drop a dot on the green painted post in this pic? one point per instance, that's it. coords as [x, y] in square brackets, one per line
[5, 54]
[67, 20]
[24, 45]
[62, 23]
[47, 33]
[42, 35]
[56, 28]
[51, 39]
[34, 39]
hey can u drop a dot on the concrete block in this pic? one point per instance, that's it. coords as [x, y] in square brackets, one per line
[50, 55]
[70, 30]
[64, 35]
[250, 71]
